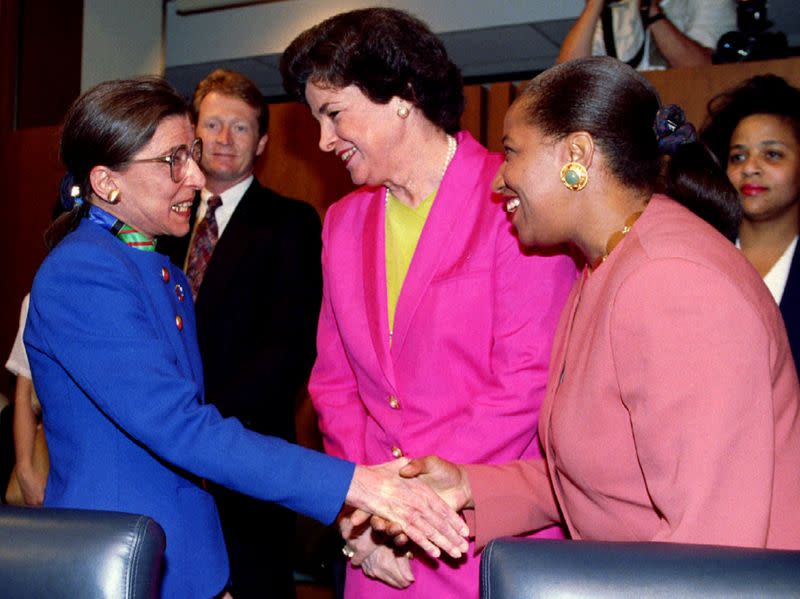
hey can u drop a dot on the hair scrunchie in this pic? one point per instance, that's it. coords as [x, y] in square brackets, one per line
[70, 193]
[672, 129]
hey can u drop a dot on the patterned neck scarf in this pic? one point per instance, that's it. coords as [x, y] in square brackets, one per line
[129, 235]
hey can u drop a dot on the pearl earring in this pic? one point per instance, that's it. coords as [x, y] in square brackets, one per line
[403, 112]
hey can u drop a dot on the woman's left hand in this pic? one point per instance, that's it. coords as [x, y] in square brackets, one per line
[385, 565]
[374, 558]
[359, 541]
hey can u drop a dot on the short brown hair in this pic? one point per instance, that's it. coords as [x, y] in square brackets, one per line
[232, 83]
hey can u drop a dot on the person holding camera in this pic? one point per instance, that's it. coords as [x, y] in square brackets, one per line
[650, 34]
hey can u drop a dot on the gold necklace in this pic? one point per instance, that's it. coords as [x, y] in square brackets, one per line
[617, 236]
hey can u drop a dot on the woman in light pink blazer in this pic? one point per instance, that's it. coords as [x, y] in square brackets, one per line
[672, 405]
[459, 365]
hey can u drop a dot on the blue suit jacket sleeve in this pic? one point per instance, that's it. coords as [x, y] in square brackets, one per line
[102, 312]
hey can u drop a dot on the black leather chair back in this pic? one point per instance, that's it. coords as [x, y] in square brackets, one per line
[69, 554]
[546, 569]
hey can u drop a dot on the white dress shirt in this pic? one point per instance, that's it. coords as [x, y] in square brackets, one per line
[230, 200]
[776, 278]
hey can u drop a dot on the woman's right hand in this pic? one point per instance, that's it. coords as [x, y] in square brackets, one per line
[411, 504]
[448, 479]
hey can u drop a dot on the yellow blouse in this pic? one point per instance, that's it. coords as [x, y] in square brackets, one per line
[403, 229]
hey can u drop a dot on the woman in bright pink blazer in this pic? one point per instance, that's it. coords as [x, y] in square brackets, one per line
[462, 371]
[673, 409]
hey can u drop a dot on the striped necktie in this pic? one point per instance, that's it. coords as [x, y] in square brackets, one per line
[133, 237]
[205, 237]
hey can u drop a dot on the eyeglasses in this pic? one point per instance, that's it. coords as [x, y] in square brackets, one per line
[178, 159]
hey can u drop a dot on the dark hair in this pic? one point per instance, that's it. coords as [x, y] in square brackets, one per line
[763, 94]
[232, 83]
[385, 53]
[617, 106]
[108, 125]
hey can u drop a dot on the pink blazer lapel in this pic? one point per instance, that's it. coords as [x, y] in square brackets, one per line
[456, 187]
[374, 269]
[558, 359]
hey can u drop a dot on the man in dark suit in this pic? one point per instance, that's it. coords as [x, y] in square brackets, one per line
[257, 306]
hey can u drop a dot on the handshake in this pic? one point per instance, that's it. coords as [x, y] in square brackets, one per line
[415, 500]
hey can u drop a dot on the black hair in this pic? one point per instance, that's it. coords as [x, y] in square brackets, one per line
[762, 94]
[384, 52]
[617, 106]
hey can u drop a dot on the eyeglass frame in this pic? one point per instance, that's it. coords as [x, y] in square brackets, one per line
[171, 157]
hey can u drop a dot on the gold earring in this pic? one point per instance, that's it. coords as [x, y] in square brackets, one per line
[403, 112]
[113, 196]
[574, 176]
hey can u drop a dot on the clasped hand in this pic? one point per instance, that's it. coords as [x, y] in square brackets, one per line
[416, 500]
[367, 549]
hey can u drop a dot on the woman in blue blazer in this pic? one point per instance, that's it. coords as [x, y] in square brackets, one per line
[113, 350]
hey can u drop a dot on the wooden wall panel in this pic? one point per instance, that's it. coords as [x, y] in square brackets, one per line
[31, 174]
[293, 164]
[49, 77]
[474, 117]
[499, 99]
[29, 167]
[690, 88]
[693, 88]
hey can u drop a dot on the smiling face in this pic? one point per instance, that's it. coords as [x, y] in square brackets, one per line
[764, 166]
[149, 200]
[228, 127]
[530, 177]
[362, 133]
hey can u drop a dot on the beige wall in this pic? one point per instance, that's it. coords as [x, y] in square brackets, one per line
[122, 38]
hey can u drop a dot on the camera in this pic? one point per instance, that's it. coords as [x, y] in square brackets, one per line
[752, 41]
[751, 16]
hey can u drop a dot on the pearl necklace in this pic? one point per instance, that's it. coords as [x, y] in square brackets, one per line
[452, 146]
